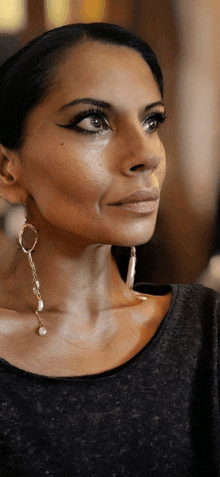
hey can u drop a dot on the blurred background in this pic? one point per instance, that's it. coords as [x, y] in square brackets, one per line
[184, 35]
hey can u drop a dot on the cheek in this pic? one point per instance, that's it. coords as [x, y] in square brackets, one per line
[159, 173]
[61, 171]
[83, 172]
[162, 169]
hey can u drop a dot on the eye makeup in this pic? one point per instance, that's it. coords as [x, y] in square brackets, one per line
[97, 115]
[100, 123]
[153, 120]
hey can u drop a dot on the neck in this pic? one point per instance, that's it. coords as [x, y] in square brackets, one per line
[78, 276]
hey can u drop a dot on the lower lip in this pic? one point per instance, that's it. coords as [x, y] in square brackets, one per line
[144, 207]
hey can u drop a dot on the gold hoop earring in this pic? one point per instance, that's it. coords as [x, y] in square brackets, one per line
[36, 284]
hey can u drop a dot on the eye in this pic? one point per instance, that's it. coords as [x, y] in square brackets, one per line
[88, 122]
[93, 123]
[152, 122]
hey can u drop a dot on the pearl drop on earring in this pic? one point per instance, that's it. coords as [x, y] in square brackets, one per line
[140, 297]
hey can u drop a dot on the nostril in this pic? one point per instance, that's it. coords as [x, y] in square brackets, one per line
[138, 166]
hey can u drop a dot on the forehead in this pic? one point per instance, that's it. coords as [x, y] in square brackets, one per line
[106, 71]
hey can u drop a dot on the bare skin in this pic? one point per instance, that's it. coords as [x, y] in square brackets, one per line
[68, 180]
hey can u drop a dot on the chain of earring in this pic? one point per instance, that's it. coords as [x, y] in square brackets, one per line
[36, 284]
[36, 291]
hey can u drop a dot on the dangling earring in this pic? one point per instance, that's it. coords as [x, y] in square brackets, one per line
[131, 273]
[36, 284]
[131, 268]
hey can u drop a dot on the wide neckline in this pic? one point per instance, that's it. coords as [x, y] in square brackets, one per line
[164, 289]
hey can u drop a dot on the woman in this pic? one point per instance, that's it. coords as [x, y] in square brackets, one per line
[99, 380]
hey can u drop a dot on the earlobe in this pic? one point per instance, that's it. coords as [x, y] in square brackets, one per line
[10, 186]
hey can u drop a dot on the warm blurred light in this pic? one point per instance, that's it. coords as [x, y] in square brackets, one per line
[57, 12]
[92, 10]
[13, 15]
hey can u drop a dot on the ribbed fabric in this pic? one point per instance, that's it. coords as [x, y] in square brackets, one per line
[157, 415]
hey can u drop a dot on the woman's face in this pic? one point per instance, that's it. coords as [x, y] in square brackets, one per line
[92, 142]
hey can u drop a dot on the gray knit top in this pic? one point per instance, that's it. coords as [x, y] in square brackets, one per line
[157, 415]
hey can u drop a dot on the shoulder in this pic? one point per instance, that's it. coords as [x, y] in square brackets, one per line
[196, 309]
[191, 302]
[197, 296]
[182, 293]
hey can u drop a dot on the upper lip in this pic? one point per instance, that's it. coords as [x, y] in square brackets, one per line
[139, 196]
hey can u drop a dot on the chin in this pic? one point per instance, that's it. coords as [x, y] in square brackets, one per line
[132, 232]
[130, 243]
[132, 239]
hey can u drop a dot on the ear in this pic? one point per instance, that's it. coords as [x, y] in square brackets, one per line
[11, 187]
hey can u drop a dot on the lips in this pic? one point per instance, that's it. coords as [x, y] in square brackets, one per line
[139, 196]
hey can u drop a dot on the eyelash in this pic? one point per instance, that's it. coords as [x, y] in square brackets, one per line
[157, 116]
[96, 113]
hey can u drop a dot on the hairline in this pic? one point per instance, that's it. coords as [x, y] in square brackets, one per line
[56, 62]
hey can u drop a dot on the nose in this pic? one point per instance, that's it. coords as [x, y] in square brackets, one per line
[138, 151]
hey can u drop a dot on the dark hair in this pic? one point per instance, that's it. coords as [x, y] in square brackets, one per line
[25, 77]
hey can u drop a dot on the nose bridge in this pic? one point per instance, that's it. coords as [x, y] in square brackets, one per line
[140, 150]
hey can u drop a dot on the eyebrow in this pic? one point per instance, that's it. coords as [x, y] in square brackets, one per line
[102, 104]
[94, 102]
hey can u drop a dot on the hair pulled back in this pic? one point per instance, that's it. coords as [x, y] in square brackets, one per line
[26, 76]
